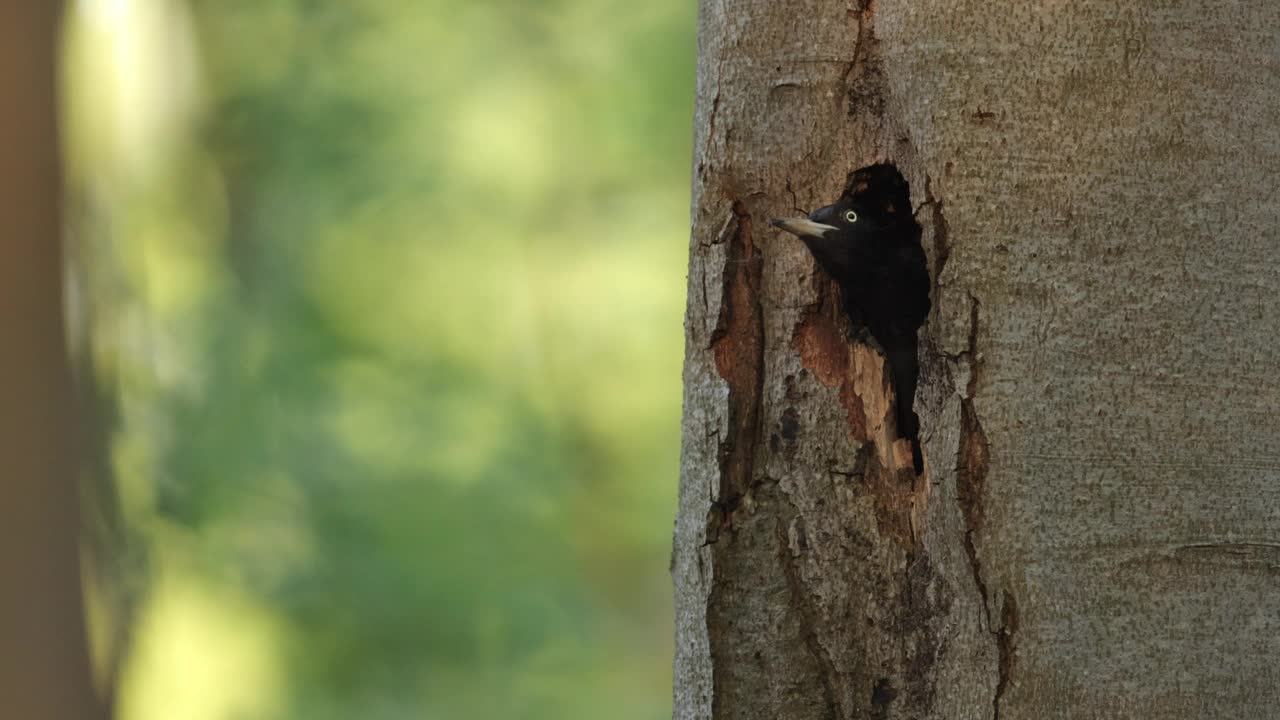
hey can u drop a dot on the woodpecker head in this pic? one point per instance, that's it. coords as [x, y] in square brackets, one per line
[868, 220]
[845, 222]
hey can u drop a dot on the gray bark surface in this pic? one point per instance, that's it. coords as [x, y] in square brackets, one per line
[1097, 533]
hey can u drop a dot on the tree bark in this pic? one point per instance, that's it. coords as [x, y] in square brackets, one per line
[1095, 533]
[44, 668]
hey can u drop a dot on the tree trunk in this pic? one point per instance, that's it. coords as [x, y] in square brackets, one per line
[44, 666]
[1095, 532]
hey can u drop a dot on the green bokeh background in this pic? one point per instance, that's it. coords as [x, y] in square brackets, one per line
[381, 302]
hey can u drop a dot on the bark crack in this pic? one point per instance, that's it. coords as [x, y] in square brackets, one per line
[941, 239]
[810, 624]
[856, 14]
[715, 100]
[711, 123]
[1005, 645]
[972, 465]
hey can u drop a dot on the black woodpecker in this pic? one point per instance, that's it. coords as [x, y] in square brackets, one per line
[868, 241]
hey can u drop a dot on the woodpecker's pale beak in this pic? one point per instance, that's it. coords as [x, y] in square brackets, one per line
[802, 227]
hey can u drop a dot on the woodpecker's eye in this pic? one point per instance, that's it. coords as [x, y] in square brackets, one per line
[851, 217]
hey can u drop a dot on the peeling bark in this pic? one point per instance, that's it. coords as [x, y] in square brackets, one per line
[883, 466]
[738, 346]
[1092, 534]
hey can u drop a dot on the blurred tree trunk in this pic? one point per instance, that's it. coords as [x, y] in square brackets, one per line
[1096, 533]
[44, 669]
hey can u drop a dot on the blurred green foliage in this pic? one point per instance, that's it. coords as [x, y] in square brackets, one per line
[386, 296]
